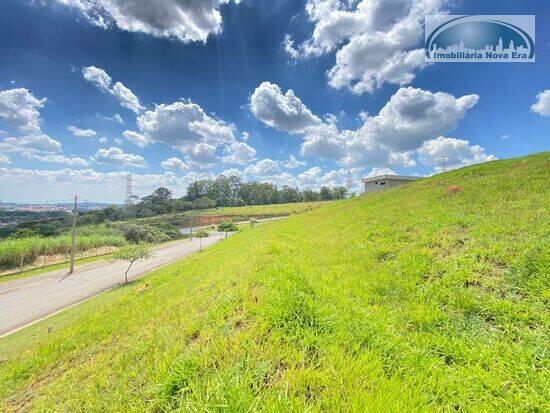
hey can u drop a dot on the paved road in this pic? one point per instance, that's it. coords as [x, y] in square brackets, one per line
[31, 299]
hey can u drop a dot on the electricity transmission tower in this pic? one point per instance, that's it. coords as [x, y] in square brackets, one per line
[443, 163]
[348, 181]
[128, 195]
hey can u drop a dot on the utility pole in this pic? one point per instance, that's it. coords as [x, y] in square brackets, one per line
[73, 239]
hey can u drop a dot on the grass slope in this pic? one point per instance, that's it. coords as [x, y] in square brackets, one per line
[408, 300]
[190, 218]
[272, 209]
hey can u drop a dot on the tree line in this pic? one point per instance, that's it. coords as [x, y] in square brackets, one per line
[225, 191]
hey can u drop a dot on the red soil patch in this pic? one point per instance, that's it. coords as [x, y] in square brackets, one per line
[453, 189]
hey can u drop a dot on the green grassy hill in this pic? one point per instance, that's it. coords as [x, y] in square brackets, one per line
[242, 213]
[418, 298]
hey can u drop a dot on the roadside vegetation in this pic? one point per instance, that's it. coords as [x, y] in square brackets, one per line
[200, 234]
[227, 226]
[131, 254]
[432, 296]
[16, 252]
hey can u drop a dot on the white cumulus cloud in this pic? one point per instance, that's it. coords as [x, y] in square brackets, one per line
[136, 138]
[268, 170]
[97, 77]
[282, 111]
[31, 143]
[126, 98]
[292, 163]
[324, 141]
[444, 152]
[186, 127]
[82, 133]
[174, 164]
[414, 115]
[20, 109]
[409, 118]
[542, 105]
[117, 157]
[376, 41]
[58, 159]
[184, 20]
[203, 153]
[404, 159]
[239, 153]
[100, 79]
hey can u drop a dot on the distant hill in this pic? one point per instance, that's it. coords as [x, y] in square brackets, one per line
[18, 206]
[428, 297]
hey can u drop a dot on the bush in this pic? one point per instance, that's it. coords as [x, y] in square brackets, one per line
[143, 233]
[136, 234]
[227, 226]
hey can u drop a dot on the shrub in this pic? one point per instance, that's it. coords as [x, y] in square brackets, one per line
[149, 234]
[227, 226]
[132, 253]
[200, 234]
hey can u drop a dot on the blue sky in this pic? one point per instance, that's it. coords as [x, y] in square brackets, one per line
[290, 92]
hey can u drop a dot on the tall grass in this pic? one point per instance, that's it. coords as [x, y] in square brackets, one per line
[21, 251]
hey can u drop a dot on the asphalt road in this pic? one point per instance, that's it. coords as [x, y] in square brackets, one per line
[28, 300]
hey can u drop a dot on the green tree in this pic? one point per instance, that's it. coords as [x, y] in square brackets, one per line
[310, 195]
[203, 203]
[131, 254]
[159, 202]
[227, 226]
[325, 193]
[142, 233]
[197, 189]
[220, 191]
[340, 192]
[200, 234]
[289, 194]
[235, 184]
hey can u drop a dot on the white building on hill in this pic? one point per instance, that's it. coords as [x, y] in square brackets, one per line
[378, 183]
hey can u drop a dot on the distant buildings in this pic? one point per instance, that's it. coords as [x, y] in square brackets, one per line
[381, 182]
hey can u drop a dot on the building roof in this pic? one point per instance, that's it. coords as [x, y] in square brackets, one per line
[390, 177]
